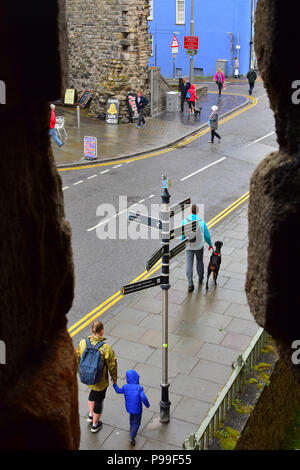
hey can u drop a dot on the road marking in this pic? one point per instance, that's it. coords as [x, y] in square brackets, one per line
[90, 177]
[202, 169]
[262, 96]
[117, 166]
[142, 200]
[104, 306]
[66, 187]
[106, 220]
[105, 171]
[151, 196]
[78, 182]
[262, 138]
[171, 148]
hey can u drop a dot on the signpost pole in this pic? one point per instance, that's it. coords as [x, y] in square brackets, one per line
[165, 240]
[174, 58]
[192, 31]
[78, 116]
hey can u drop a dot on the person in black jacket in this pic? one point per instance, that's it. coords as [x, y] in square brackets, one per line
[184, 86]
[141, 103]
[251, 75]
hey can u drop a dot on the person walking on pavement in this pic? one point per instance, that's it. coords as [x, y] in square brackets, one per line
[134, 398]
[214, 123]
[195, 246]
[141, 103]
[252, 76]
[184, 87]
[52, 130]
[219, 78]
[236, 68]
[108, 364]
[192, 97]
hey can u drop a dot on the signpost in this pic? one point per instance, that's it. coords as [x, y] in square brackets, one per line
[175, 49]
[112, 111]
[164, 252]
[90, 148]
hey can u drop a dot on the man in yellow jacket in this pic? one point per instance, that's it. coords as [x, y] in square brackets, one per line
[109, 364]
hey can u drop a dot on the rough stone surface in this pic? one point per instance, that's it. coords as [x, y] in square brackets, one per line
[274, 208]
[38, 384]
[108, 50]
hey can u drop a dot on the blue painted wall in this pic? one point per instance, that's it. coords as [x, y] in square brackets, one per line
[214, 19]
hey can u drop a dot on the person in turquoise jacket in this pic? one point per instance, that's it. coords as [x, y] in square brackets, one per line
[195, 246]
[134, 397]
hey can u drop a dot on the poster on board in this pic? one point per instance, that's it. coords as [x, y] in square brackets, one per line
[133, 112]
[112, 111]
[90, 148]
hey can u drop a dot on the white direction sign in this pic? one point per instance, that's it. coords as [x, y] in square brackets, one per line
[183, 230]
[175, 50]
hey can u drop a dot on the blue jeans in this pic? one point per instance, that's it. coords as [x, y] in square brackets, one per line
[54, 135]
[135, 422]
[251, 86]
[189, 264]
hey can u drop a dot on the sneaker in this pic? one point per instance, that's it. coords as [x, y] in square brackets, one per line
[210, 141]
[132, 441]
[138, 127]
[190, 288]
[61, 144]
[96, 427]
[144, 124]
[90, 418]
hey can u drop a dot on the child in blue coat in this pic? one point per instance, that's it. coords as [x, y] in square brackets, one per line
[134, 397]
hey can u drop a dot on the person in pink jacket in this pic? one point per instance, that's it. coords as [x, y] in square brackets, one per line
[192, 97]
[219, 78]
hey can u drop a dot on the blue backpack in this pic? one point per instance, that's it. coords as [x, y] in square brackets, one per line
[90, 366]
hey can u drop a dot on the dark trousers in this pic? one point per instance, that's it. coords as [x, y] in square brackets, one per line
[213, 134]
[220, 86]
[251, 86]
[183, 98]
[135, 422]
[141, 117]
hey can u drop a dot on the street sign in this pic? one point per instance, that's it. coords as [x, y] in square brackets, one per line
[152, 282]
[144, 219]
[112, 111]
[154, 258]
[174, 50]
[178, 249]
[90, 148]
[191, 42]
[191, 52]
[175, 42]
[183, 230]
[179, 207]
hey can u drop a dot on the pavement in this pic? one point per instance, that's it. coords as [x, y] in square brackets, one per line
[208, 330]
[125, 140]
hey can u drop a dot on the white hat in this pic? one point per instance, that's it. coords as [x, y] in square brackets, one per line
[214, 108]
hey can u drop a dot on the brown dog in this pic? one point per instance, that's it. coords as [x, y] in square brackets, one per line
[214, 263]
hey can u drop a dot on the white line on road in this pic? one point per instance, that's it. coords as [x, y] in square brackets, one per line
[117, 166]
[105, 171]
[106, 220]
[151, 196]
[142, 200]
[78, 182]
[90, 177]
[258, 140]
[202, 169]
[66, 187]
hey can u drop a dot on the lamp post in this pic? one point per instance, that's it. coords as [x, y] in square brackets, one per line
[192, 32]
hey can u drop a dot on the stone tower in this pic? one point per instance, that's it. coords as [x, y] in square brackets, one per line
[108, 49]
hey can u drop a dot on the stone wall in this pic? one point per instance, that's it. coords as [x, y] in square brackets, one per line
[108, 50]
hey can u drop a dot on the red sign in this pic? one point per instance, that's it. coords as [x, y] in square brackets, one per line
[191, 42]
[175, 42]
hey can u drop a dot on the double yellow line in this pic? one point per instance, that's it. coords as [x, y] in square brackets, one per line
[171, 148]
[108, 303]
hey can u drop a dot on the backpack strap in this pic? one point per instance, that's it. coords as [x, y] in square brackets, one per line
[97, 346]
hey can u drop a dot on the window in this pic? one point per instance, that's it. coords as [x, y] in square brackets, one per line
[150, 17]
[180, 11]
[150, 38]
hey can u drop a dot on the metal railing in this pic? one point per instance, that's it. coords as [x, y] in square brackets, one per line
[200, 440]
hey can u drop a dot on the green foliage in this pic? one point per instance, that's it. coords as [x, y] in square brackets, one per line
[253, 381]
[242, 408]
[292, 439]
[228, 438]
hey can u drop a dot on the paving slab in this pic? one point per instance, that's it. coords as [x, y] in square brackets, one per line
[177, 362]
[90, 440]
[188, 409]
[174, 432]
[209, 370]
[192, 387]
[119, 440]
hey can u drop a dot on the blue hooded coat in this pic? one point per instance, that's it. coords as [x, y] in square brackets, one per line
[134, 393]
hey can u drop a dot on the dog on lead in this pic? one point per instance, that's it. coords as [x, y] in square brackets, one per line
[214, 263]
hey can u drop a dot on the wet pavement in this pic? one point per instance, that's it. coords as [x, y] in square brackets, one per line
[125, 140]
[208, 330]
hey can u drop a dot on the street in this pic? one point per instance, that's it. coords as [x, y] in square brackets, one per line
[213, 175]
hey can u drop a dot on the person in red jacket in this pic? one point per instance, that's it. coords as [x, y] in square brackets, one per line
[52, 130]
[192, 97]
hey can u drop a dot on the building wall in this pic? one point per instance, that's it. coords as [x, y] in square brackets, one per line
[108, 49]
[213, 21]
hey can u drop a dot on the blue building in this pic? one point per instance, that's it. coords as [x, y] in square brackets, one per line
[221, 26]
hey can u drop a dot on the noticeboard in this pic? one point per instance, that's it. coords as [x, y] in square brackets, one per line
[70, 97]
[84, 98]
[112, 111]
[191, 42]
[133, 112]
[90, 148]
